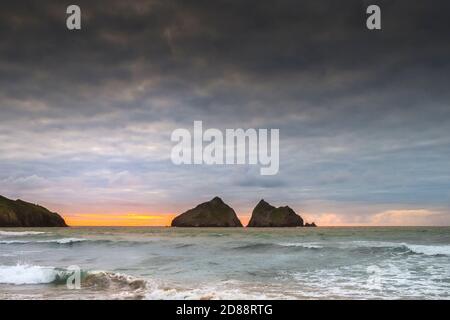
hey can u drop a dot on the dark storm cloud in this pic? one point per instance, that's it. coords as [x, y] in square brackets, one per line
[364, 116]
[288, 46]
[261, 54]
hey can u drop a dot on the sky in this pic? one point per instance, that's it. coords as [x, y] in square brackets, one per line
[364, 116]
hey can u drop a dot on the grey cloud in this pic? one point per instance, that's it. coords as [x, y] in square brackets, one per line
[363, 116]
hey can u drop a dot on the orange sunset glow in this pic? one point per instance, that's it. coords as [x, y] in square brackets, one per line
[143, 219]
[126, 219]
[119, 220]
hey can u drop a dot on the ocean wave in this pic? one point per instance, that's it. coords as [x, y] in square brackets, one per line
[187, 245]
[255, 246]
[26, 274]
[204, 293]
[23, 274]
[109, 280]
[20, 233]
[302, 245]
[57, 241]
[67, 240]
[71, 241]
[221, 290]
[430, 250]
[277, 246]
[111, 285]
[361, 247]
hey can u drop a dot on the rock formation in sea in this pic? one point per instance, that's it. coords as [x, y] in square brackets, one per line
[214, 213]
[23, 214]
[265, 215]
[312, 224]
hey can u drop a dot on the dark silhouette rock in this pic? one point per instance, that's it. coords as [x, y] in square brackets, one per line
[265, 215]
[312, 224]
[23, 214]
[214, 213]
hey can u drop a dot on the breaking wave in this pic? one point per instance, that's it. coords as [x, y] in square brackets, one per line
[110, 285]
[430, 250]
[57, 241]
[26, 274]
[23, 274]
[20, 233]
[357, 247]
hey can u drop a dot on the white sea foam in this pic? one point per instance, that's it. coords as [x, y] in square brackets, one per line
[369, 244]
[220, 291]
[430, 250]
[26, 274]
[201, 294]
[20, 233]
[58, 241]
[67, 240]
[381, 280]
[22, 274]
[301, 244]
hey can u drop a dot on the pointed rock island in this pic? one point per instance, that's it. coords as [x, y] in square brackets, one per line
[266, 215]
[214, 213]
[23, 214]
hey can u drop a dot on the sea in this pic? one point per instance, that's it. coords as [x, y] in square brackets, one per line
[225, 263]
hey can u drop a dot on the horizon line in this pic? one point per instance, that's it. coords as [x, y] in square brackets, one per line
[244, 227]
